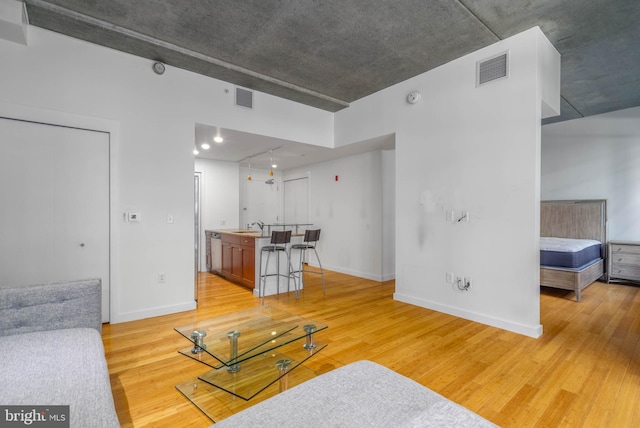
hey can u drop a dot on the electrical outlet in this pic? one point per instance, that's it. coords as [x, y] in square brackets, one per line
[162, 277]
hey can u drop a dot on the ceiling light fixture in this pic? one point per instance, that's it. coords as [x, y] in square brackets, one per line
[205, 146]
[272, 166]
[195, 151]
[249, 176]
[218, 139]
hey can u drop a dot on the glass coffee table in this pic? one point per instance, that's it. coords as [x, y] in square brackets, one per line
[247, 352]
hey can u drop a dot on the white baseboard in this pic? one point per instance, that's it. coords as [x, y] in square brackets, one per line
[153, 312]
[379, 278]
[534, 331]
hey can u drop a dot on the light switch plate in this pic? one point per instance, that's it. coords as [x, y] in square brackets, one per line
[132, 217]
[450, 216]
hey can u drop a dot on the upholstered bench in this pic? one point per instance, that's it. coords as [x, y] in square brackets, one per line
[51, 351]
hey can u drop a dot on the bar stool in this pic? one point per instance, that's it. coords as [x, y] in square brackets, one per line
[311, 237]
[279, 241]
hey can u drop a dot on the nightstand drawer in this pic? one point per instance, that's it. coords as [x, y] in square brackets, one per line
[625, 272]
[625, 249]
[625, 259]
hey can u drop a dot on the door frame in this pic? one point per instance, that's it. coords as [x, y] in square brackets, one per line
[197, 217]
[88, 123]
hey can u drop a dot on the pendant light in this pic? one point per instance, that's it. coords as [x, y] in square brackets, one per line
[249, 176]
[271, 158]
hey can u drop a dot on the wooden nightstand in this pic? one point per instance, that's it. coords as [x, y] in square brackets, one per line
[624, 261]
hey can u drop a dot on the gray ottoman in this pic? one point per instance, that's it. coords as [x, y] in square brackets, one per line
[361, 394]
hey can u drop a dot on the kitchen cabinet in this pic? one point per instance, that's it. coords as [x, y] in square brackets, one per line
[624, 260]
[238, 259]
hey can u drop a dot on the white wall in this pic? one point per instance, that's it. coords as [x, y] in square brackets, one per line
[219, 195]
[460, 148]
[151, 120]
[261, 201]
[388, 215]
[597, 157]
[349, 211]
[467, 148]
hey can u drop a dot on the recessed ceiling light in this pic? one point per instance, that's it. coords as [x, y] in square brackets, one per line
[205, 146]
[195, 151]
[218, 139]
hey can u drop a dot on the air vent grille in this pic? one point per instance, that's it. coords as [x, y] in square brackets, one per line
[492, 69]
[244, 98]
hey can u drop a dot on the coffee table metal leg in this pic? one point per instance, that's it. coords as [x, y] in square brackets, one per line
[233, 342]
[198, 341]
[283, 368]
[309, 329]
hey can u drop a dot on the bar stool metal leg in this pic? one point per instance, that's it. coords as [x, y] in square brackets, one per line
[310, 239]
[324, 288]
[279, 241]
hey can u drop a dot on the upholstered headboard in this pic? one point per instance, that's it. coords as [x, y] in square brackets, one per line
[578, 219]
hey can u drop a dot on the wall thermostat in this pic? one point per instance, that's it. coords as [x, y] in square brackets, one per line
[413, 97]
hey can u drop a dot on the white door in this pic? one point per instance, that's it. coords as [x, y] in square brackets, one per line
[54, 204]
[296, 201]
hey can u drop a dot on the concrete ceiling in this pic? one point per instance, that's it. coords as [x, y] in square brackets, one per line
[328, 53]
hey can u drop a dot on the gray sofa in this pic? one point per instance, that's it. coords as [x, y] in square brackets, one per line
[361, 394]
[51, 351]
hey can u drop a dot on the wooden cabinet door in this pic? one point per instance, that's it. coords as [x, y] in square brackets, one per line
[236, 264]
[227, 258]
[248, 266]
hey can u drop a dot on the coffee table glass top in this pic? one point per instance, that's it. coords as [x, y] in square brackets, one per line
[258, 330]
[218, 404]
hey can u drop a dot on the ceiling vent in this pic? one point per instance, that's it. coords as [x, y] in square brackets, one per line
[492, 69]
[244, 98]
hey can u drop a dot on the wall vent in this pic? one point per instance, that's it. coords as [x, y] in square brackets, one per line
[492, 69]
[244, 98]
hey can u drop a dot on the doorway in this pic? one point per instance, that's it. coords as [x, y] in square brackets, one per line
[54, 217]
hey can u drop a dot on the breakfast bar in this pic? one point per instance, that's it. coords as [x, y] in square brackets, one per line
[239, 256]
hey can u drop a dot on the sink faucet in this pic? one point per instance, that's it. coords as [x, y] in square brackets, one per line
[260, 225]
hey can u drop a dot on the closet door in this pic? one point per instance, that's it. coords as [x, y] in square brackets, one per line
[54, 214]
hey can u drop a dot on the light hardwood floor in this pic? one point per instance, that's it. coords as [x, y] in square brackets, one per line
[583, 372]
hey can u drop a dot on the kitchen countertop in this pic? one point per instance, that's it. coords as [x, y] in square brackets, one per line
[245, 232]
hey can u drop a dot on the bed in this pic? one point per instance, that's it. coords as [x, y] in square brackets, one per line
[573, 243]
